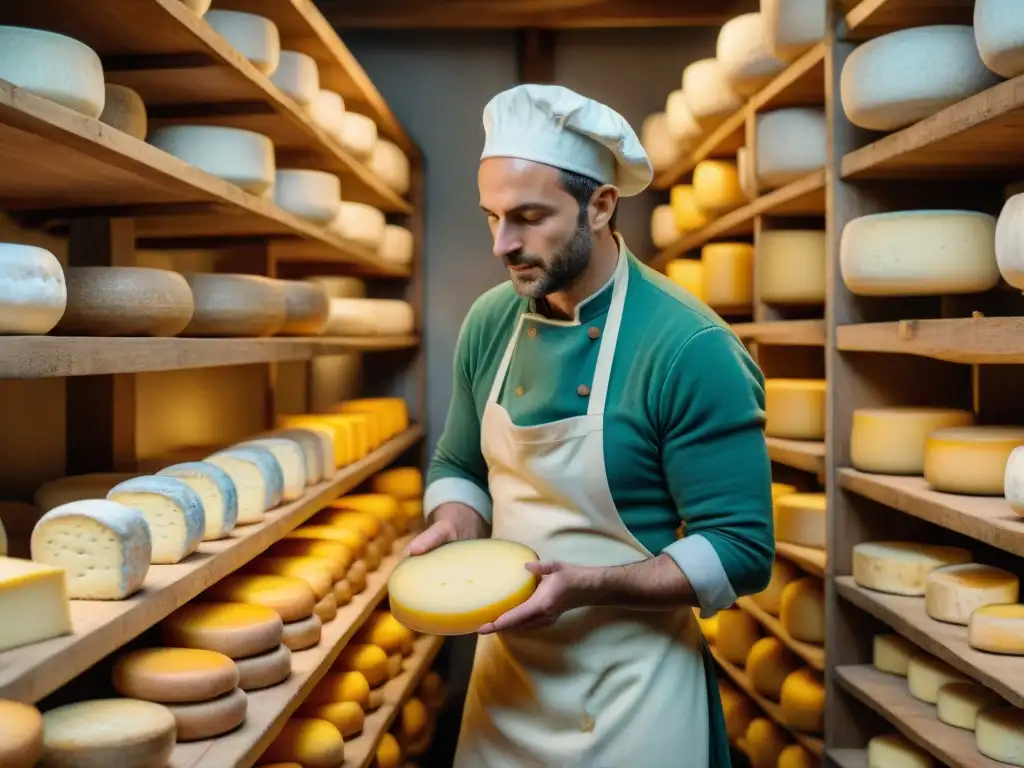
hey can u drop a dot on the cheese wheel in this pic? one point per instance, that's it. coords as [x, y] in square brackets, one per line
[251, 486]
[302, 634]
[216, 491]
[970, 460]
[662, 148]
[801, 518]
[688, 274]
[795, 408]
[745, 169]
[688, 214]
[237, 630]
[390, 165]
[791, 27]
[206, 719]
[394, 665]
[21, 734]
[33, 294]
[382, 505]
[790, 143]
[926, 674]
[255, 37]
[709, 626]
[389, 752]
[339, 687]
[264, 670]
[368, 659]
[327, 609]
[737, 709]
[292, 598]
[919, 253]
[315, 571]
[728, 275]
[174, 675]
[1009, 254]
[317, 444]
[308, 194]
[997, 629]
[742, 49]
[802, 610]
[901, 567]
[291, 459]
[343, 591]
[959, 703]
[458, 587]
[680, 122]
[297, 76]
[737, 633]
[431, 690]
[53, 66]
[767, 666]
[716, 187]
[795, 756]
[938, 66]
[770, 599]
[781, 489]
[387, 633]
[354, 539]
[327, 111]
[999, 734]
[764, 742]
[364, 522]
[952, 593]
[171, 509]
[397, 245]
[663, 230]
[400, 482]
[895, 751]
[891, 653]
[239, 157]
[311, 742]
[369, 317]
[360, 223]
[358, 135]
[306, 307]
[347, 716]
[333, 554]
[891, 441]
[124, 110]
[266, 464]
[38, 595]
[709, 95]
[790, 267]
[999, 35]
[235, 305]
[802, 701]
[125, 301]
[126, 733]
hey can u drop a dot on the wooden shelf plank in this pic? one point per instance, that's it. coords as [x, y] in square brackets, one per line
[34, 357]
[872, 18]
[814, 655]
[969, 340]
[988, 519]
[794, 333]
[889, 696]
[811, 743]
[32, 672]
[812, 560]
[803, 197]
[976, 137]
[849, 758]
[1003, 674]
[799, 454]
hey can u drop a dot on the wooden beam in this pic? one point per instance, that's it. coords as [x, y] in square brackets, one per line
[535, 55]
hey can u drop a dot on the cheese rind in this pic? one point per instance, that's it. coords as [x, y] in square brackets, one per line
[926, 675]
[790, 267]
[172, 510]
[216, 490]
[709, 95]
[206, 719]
[958, 704]
[21, 735]
[236, 630]
[795, 408]
[302, 634]
[291, 460]
[1009, 253]
[327, 609]
[265, 670]
[952, 593]
[901, 567]
[309, 194]
[127, 733]
[737, 633]
[999, 734]
[891, 441]
[891, 653]
[970, 460]
[37, 595]
[265, 463]
[998, 32]
[997, 629]
[802, 701]
[174, 675]
[681, 124]
[800, 518]
[767, 666]
[728, 275]
[291, 597]
[802, 611]
[104, 547]
[54, 66]
[33, 294]
[770, 599]
[308, 741]
[893, 750]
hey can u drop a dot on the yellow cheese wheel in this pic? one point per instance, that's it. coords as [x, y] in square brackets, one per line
[737, 633]
[302, 634]
[431, 690]
[292, 598]
[309, 741]
[737, 709]
[716, 186]
[709, 627]
[388, 633]
[412, 509]
[926, 675]
[347, 716]
[795, 756]
[959, 703]
[341, 686]
[389, 752]
[339, 555]
[315, 571]
[802, 701]
[413, 720]
[891, 653]
[265, 670]
[901, 567]
[728, 275]
[782, 489]
[327, 609]
[795, 408]
[235, 629]
[770, 599]
[391, 412]
[790, 267]
[362, 431]
[21, 734]
[997, 629]
[368, 524]
[394, 665]
[353, 539]
[894, 749]
[401, 482]
[80, 734]
[688, 214]
[764, 742]
[688, 274]
[891, 441]
[999, 734]
[768, 665]
[458, 587]
[368, 659]
[952, 593]
[970, 460]
[800, 518]
[356, 576]
[343, 592]
[802, 610]
[382, 505]
[174, 675]
[343, 451]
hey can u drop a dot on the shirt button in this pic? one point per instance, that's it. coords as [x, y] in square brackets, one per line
[593, 332]
[582, 390]
[531, 332]
[519, 391]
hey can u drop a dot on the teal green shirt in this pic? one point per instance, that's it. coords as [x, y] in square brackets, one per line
[683, 431]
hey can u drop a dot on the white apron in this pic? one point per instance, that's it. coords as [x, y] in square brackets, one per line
[603, 687]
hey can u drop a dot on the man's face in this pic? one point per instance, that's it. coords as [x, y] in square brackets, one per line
[536, 225]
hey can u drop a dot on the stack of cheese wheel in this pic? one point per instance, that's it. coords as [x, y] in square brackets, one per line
[802, 701]
[54, 67]
[737, 708]
[664, 230]
[800, 519]
[795, 408]
[891, 441]
[927, 674]
[36, 590]
[688, 214]
[970, 460]
[297, 76]
[688, 274]
[954, 592]
[240, 157]
[199, 687]
[768, 664]
[406, 485]
[321, 574]
[790, 267]
[662, 147]
[763, 742]
[128, 733]
[792, 26]
[789, 144]
[716, 187]
[746, 60]
[255, 37]
[709, 95]
[384, 631]
[390, 413]
[235, 305]
[370, 317]
[361, 224]
[309, 194]
[310, 742]
[728, 276]
[366, 529]
[251, 635]
[384, 507]
[33, 292]
[335, 553]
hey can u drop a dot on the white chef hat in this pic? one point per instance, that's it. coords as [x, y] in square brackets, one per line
[553, 125]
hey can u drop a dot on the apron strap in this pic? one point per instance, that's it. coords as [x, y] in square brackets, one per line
[609, 340]
[499, 377]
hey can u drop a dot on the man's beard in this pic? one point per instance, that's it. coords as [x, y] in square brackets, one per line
[567, 265]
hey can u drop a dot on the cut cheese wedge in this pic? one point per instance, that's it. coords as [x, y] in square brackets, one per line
[959, 703]
[21, 734]
[970, 460]
[171, 509]
[997, 629]
[292, 460]
[893, 750]
[952, 593]
[216, 490]
[901, 567]
[37, 595]
[243, 460]
[127, 733]
[891, 441]
[999, 734]
[237, 630]
[174, 675]
[926, 675]
[458, 587]
[891, 653]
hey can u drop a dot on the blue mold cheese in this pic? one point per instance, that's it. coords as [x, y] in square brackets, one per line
[318, 446]
[258, 479]
[173, 511]
[217, 491]
[291, 459]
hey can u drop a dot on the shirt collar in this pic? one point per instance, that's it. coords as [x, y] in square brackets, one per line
[597, 303]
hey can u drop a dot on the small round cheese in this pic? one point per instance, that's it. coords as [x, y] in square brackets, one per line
[327, 608]
[681, 124]
[307, 308]
[327, 111]
[770, 599]
[358, 135]
[661, 146]
[311, 742]
[790, 267]
[664, 231]
[952, 593]
[893, 750]
[360, 223]
[891, 441]
[802, 610]
[217, 491]
[343, 591]
[737, 709]
[341, 686]
[767, 666]
[999, 35]
[899, 78]
[999, 734]
[298, 76]
[959, 703]
[737, 633]
[791, 27]
[688, 274]
[387, 633]
[400, 482]
[390, 165]
[716, 187]
[21, 734]
[367, 659]
[1009, 253]
[800, 518]
[745, 57]
[237, 630]
[795, 408]
[458, 587]
[334, 554]
[919, 253]
[255, 37]
[53, 66]
[802, 701]
[347, 716]
[206, 719]
[891, 653]
[728, 270]
[174, 675]
[764, 742]
[970, 460]
[292, 598]
[790, 143]
[394, 665]
[235, 305]
[688, 214]
[356, 577]
[264, 670]
[124, 110]
[901, 567]
[33, 293]
[240, 157]
[311, 195]
[926, 675]
[172, 510]
[353, 538]
[397, 245]
[369, 525]
[302, 634]
[795, 756]
[126, 733]
[997, 629]
[389, 752]
[709, 95]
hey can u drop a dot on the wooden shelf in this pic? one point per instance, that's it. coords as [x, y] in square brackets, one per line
[849, 758]
[812, 560]
[812, 744]
[31, 672]
[799, 454]
[792, 333]
[803, 197]
[813, 654]
[969, 340]
[889, 696]
[1003, 674]
[35, 357]
[872, 18]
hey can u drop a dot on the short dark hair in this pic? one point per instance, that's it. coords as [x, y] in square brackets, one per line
[582, 188]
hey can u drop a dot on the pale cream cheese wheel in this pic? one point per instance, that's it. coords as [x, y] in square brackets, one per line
[891, 441]
[206, 719]
[80, 735]
[235, 305]
[54, 66]
[790, 266]
[970, 460]
[901, 567]
[125, 301]
[953, 592]
[33, 293]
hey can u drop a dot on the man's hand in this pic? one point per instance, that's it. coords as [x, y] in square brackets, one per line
[449, 522]
[562, 588]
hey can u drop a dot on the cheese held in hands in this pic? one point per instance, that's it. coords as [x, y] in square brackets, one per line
[172, 510]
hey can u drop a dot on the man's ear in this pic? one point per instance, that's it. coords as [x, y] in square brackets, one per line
[602, 206]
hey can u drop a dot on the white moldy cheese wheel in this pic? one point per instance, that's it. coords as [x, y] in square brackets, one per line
[790, 143]
[999, 734]
[291, 597]
[783, 572]
[255, 37]
[959, 703]
[689, 215]
[311, 195]
[795, 408]
[358, 135]
[37, 594]
[728, 275]
[802, 611]
[21, 734]
[664, 231]
[716, 187]
[397, 245]
[661, 146]
[1009, 234]
[53, 66]
[171, 509]
[231, 459]
[970, 460]
[127, 733]
[174, 675]
[681, 124]
[997, 629]
[790, 267]
[124, 109]
[33, 293]
[901, 567]
[891, 653]
[125, 301]
[802, 701]
[737, 633]
[708, 94]
[298, 76]
[240, 157]
[237, 630]
[800, 518]
[952, 593]
[457, 588]
[327, 111]
[999, 35]
[104, 548]
[235, 305]
[767, 666]
[905, 76]
[926, 675]
[745, 57]
[792, 26]
[891, 441]
[307, 308]
[893, 750]
[919, 253]
[361, 223]
[206, 719]
[391, 165]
